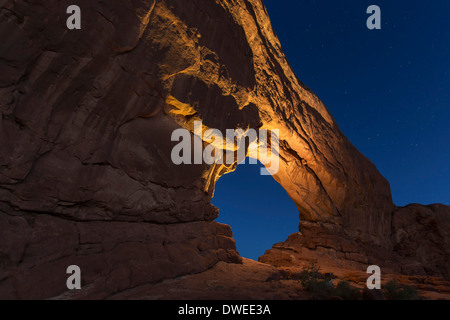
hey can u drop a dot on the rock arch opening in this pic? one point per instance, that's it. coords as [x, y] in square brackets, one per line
[257, 208]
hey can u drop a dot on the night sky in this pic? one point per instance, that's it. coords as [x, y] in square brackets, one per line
[387, 89]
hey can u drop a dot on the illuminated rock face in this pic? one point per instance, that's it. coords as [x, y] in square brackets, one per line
[86, 174]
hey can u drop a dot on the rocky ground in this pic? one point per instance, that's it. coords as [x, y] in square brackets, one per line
[250, 280]
[259, 281]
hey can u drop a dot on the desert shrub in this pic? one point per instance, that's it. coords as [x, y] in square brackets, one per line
[395, 291]
[345, 291]
[316, 283]
[321, 285]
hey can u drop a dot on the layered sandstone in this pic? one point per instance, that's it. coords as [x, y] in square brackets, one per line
[419, 241]
[86, 175]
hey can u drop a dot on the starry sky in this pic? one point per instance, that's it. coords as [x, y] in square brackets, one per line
[387, 89]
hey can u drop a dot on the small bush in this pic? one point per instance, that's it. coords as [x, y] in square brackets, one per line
[345, 291]
[395, 291]
[321, 285]
[316, 283]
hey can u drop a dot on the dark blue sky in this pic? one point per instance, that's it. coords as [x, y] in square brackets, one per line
[387, 89]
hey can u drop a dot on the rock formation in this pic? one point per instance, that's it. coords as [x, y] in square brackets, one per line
[86, 175]
[419, 245]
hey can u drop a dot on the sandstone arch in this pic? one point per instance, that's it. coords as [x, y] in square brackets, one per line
[86, 176]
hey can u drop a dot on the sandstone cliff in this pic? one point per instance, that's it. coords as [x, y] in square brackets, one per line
[86, 176]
